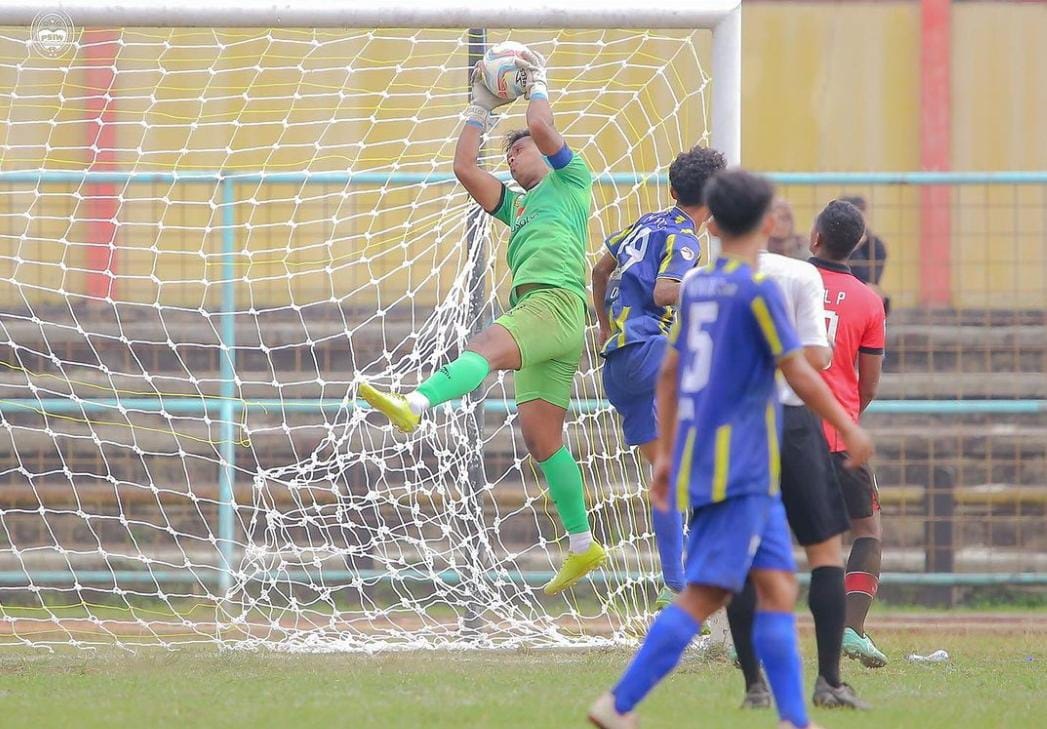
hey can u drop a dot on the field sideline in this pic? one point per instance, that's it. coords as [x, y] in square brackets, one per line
[994, 679]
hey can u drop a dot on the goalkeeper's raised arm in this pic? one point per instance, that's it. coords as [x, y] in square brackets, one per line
[479, 116]
[484, 187]
[539, 112]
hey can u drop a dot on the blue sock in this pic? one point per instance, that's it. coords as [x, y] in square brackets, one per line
[774, 637]
[669, 635]
[668, 533]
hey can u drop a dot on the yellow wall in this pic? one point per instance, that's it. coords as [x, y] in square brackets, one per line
[831, 87]
[836, 87]
[999, 86]
[999, 91]
[826, 87]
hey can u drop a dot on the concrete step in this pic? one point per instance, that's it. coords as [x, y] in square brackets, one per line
[95, 513]
[140, 448]
[321, 337]
[598, 434]
[335, 382]
[948, 385]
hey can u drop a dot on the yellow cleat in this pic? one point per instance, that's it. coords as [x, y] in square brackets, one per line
[575, 567]
[391, 405]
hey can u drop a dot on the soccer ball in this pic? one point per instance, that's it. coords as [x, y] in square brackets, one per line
[500, 74]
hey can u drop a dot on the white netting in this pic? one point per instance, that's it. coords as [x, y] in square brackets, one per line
[122, 404]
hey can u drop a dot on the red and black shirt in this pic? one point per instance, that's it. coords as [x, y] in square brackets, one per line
[855, 319]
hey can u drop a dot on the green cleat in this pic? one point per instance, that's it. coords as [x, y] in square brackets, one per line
[391, 405]
[575, 567]
[861, 648]
[665, 598]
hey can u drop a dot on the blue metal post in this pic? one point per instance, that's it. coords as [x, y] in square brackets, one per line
[227, 412]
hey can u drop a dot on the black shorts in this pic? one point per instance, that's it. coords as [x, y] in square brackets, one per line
[859, 487]
[810, 491]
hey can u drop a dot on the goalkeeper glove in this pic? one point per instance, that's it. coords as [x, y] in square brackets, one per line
[533, 66]
[483, 102]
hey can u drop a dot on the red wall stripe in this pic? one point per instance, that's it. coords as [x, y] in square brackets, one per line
[101, 200]
[935, 153]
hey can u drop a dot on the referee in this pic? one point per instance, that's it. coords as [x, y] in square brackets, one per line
[813, 502]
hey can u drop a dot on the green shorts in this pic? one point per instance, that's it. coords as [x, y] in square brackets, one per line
[548, 325]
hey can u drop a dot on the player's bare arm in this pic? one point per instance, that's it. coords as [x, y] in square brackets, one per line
[666, 292]
[540, 124]
[806, 383]
[601, 276]
[539, 112]
[869, 368]
[481, 185]
[667, 398]
[818, 357]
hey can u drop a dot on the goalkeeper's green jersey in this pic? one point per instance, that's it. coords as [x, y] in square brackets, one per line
[549, 226]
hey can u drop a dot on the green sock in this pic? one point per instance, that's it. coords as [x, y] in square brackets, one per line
[565, 486]
[455, 378]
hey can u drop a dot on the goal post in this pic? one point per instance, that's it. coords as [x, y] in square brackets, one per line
[275, 183]
[722, 17]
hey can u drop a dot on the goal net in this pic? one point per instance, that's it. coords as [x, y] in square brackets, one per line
[207, 236]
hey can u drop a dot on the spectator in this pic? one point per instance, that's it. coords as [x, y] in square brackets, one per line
[783, 239]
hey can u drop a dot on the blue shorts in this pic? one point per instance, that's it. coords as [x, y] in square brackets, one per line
[729, 538]
[629, 378]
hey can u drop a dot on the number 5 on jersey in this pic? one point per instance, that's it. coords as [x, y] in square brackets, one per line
[700, 343]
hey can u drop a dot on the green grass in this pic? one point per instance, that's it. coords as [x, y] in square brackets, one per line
[993, 680]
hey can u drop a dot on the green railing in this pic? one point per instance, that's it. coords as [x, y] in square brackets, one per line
[229, 408]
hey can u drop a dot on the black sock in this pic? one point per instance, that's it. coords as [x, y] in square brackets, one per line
[828, 606]
[741, 612]
[862, 581]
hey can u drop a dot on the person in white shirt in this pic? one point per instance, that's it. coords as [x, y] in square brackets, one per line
[813, 502]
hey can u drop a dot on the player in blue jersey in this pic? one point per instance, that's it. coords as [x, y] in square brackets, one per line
[635, 287]
[718, 415]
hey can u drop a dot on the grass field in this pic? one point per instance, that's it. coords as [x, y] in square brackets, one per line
[995, 678]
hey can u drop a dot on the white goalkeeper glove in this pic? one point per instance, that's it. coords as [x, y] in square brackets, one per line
[533, 66]
[483, 102]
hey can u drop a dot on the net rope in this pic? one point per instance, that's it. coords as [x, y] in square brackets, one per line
[118, 411]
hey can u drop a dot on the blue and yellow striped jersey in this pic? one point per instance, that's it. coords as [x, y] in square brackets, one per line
[731, 331]
[658, 245]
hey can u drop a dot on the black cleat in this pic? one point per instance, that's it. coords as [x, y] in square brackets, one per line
[757, 696]
[837, 697]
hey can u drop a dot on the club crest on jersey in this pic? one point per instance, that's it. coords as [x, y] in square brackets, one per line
[688, 254]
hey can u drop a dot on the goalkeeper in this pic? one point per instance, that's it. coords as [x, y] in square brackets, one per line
[541, 336]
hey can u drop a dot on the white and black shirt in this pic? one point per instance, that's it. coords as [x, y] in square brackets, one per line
[804, 303]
